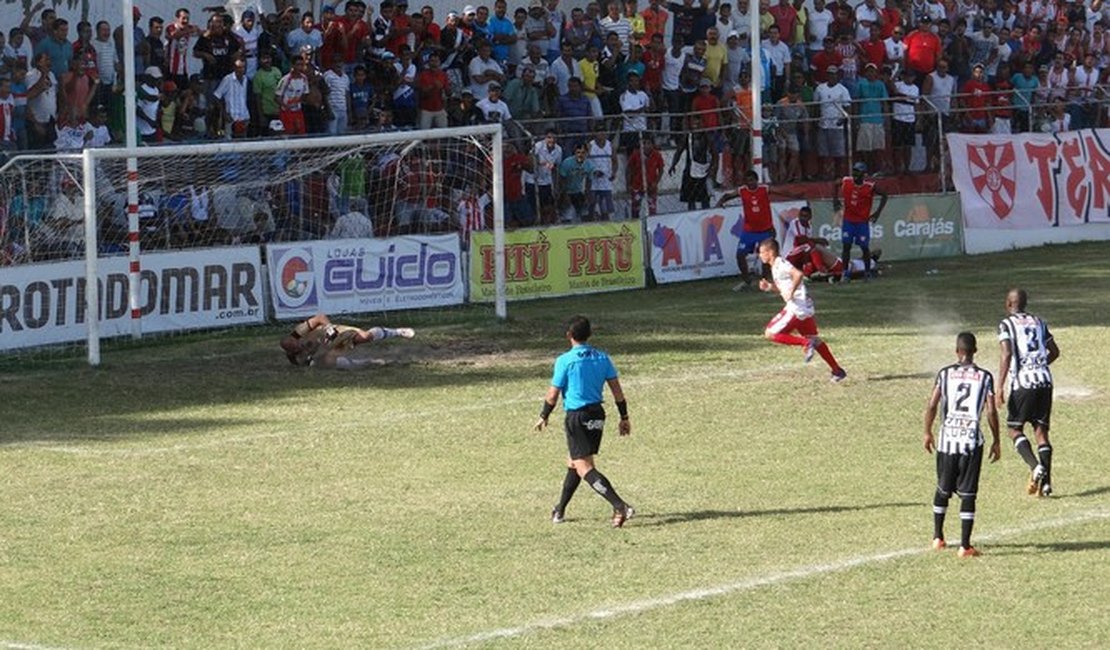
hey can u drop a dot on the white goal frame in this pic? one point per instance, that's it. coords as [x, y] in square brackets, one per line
[91, 157]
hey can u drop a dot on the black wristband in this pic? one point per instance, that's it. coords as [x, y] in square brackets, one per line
[622, 408]
[546, 410]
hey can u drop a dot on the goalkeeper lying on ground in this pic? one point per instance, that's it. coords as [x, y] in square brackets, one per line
[319, 342]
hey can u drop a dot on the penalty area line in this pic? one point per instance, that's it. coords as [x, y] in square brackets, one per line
[741, 586]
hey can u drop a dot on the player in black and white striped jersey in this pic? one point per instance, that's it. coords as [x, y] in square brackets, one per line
[1027, 351]
[962, 391]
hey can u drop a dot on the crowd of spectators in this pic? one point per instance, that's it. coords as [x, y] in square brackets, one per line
[837, 76]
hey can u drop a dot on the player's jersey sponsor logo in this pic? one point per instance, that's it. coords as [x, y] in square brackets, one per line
[296, 278]
[994, 175]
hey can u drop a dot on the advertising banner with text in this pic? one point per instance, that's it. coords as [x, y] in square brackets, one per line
[1033, 180]
[701, 244]
[42, 304]
[913, 226]
[347, 276]
[558, 261]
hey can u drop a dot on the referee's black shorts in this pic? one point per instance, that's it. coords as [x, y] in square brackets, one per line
[584, 427]
[959, 473]
[1032, 405]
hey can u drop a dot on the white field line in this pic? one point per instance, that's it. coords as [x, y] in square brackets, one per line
[741, 586]
[442, 412]
[15, 645]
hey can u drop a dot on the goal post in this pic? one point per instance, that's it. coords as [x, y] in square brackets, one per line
[229, 171]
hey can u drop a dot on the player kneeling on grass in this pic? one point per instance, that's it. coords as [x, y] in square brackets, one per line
[319, 342]
[798, 314]
[963, 390]
[580, 376]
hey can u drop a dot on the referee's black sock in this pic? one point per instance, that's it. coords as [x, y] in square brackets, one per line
[1045, 454]
[940, 507]
[601, 485]
[570, 484]
[1025, 450]
[967, 520]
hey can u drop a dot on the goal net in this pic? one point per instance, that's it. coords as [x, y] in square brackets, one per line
[181, 242]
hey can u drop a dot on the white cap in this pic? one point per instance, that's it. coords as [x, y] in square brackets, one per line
[277, 125]
[153, 71]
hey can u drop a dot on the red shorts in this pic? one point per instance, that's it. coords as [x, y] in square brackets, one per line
[293, 122]
[784, 322]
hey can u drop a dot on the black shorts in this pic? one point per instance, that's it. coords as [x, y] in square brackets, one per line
[584, 427]
[904, 134]
[959, 473]
[1032, 405]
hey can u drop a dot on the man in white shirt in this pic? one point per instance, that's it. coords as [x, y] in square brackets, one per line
[736, 59]
[617, 23]
[339, 96]
[834, 100]
[233, 91]
[1084, 107]
[42, 103]
[563, 68]
[817, 26]
[548, 155]
[484, 71]
[867, 14]
[726, 21]
[741, 21]
[492, 107]
[779, 53]
[634, 104]
[248, 31]
[903, 125]
[895, 51]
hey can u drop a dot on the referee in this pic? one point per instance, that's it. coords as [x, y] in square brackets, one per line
[580, 375]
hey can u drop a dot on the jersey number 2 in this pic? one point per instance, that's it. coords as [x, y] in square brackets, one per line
[963, 392]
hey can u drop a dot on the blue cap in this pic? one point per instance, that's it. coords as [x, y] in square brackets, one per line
[328, 9]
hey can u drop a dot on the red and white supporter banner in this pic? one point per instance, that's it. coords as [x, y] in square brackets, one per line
[359, 275]
[41, 304]
[697, 245]
[1032, 180]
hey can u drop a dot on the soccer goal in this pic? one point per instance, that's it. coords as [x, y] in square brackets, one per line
[175, 236]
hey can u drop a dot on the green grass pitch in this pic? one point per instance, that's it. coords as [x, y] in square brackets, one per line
[199, 492]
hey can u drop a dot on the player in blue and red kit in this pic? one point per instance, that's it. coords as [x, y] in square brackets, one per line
[858, 196]
[754, 225]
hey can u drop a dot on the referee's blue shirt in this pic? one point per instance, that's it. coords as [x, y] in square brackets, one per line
[580, 374]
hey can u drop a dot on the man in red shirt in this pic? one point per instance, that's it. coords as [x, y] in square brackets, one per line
[825, 59]
[655, 21]
[432, 86]
[754, 225]
[858, 195]
[517, 211]
[401, 27]
[975, 95]
[890, 18]
[786, 18]
[356, 31]
[923, 49]
[1002, 113]
[430, 25]
[654, 63]
[874, 49]
[645, 159]
[335, 38]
